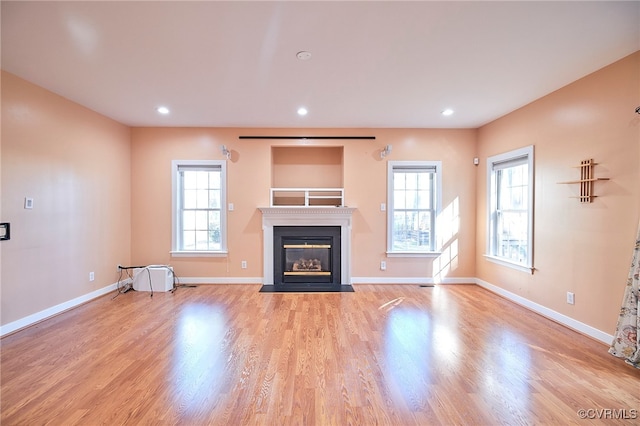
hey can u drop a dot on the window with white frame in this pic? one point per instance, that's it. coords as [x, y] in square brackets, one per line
[414, 189]
[510, 204]
[199, 208]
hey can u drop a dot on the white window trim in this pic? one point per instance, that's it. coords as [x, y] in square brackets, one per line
[505, 262]
[390, 209]
[413, 253]
[175, 252]
[527, 152]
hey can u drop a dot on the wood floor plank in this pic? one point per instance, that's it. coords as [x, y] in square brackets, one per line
[385, 354]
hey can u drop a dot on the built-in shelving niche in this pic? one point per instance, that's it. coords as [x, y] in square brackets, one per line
[307, 168]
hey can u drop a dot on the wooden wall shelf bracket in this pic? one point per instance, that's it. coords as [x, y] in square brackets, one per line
[586, 181]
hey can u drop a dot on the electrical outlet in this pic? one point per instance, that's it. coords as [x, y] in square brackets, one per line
[244, 264]
[383, 265]
[92, 276]
[571, 298]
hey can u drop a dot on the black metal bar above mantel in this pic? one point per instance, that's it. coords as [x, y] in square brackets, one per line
[310, 137]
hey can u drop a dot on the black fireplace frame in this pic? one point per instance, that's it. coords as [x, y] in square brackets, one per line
[308, 234]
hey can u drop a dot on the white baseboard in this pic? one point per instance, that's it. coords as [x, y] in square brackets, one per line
[354, 280]
[549, 313]
[410, 280]
[55, 310]
[219, 280]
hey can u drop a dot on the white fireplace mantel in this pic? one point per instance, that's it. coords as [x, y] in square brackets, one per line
[307, 216]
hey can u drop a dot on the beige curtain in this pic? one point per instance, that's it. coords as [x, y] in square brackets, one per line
[626, 343]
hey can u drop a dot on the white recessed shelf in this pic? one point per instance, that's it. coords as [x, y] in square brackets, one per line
[307, 197]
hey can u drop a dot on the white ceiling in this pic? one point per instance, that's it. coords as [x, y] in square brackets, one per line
[374, 64]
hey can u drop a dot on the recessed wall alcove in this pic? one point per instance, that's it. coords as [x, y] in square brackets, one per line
[307, 167]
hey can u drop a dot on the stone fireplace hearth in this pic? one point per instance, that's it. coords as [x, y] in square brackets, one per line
[307, 217]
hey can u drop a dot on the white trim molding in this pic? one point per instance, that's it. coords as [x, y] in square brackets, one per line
[307, 216]
[433, 168]
[503, 262]
[219, 280]
[410, 280]
[549, 313]
[495, 164]
[57, 309]
[176, 194]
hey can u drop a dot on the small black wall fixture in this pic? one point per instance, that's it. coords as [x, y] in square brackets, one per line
[638, 110]
[5, 231]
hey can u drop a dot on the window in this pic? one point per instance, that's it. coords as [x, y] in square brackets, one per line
[510, 216]
[414, 201]
[199, 208]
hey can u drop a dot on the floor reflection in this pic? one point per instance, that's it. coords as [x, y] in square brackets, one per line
[407, 351]
[506, 373]
[199, 356]
[446, 344]
[446, 330]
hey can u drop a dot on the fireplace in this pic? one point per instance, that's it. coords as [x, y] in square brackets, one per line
[307, 257]
[299, 217]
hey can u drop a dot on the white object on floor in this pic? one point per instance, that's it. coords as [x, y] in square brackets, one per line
[161, 278]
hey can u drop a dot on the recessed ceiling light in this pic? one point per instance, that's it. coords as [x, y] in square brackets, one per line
[447, 111]
[163, 110]
[303, 55]
[302, 111]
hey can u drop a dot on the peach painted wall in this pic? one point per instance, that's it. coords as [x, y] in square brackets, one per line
[249, 178]
[74, 163]
[307, 167]
[582, 248]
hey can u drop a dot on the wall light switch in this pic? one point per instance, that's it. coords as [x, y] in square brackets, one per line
[230, 207]
[383, 207]
[28, 203]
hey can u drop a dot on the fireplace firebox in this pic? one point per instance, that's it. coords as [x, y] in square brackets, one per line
[306, 257]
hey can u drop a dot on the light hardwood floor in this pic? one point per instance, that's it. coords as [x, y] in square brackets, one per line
[386, 354]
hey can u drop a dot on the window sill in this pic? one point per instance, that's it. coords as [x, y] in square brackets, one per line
[413, 253]
[503, 262]
[199, 253]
